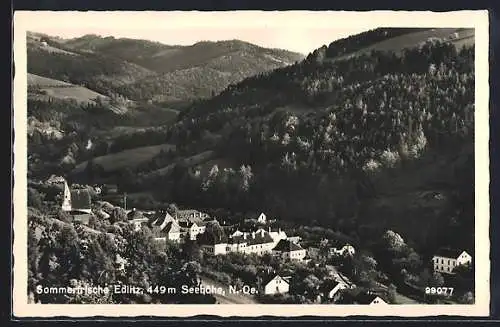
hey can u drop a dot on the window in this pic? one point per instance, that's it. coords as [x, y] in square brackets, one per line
[448, 261]
[441, 261]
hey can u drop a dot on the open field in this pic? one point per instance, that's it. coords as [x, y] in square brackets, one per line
[397, 44]
[126, 159]
[62, 90]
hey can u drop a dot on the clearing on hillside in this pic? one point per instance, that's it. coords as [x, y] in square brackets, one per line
[126, 159]
[62, 90]
[457, 36]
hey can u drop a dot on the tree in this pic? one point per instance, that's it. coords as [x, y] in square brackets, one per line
[35, 198]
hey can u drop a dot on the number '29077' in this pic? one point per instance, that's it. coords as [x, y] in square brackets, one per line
[444, 291]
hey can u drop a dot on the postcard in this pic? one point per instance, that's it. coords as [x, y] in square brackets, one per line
[251, 163]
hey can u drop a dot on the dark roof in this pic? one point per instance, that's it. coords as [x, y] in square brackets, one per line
[329, 285]
[250, 240]
[172, 227]
[287, 246]
[448, 253]
[159, 218]
[365, 298]
[80, 199]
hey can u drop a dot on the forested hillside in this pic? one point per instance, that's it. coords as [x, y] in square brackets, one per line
[368, 143]
[142, 70]
[380, 140]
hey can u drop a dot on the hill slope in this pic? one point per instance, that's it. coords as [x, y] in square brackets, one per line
[329, 139]
[144, 70]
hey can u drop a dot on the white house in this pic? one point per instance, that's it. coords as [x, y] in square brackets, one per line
[172, 231]
[162, 219]
[289, 250]
[277, 285]
[343, 250]
[445, 260]
[262, 219]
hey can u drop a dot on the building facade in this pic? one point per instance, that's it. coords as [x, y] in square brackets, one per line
[446, 260]
[277, 285]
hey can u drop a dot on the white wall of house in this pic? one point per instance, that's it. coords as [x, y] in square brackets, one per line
[276, 286]
[444, 264]
[464, 258]
[174, 236]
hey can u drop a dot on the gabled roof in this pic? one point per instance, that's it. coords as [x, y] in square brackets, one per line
[448, 253]
[80, 199]
[365, 298]
[287, 246]
[172, 227]
[161, 218]
[267, 279]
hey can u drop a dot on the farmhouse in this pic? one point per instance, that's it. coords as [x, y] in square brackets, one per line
[341, 249]
[445, 260]
[289, 250]
[276, 285]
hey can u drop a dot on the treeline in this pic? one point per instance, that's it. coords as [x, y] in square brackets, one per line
[318, 136]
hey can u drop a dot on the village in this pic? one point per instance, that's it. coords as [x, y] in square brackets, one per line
[257, 236]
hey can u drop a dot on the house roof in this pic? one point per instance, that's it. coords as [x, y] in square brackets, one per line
[172, 227]
[80, 199]
[267, 279]
[365, 298]
[448, 253]
[287, 246]
[251, 240]
[160, 217]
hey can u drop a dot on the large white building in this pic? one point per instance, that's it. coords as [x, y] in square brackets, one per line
[446, 260]
[259, 243]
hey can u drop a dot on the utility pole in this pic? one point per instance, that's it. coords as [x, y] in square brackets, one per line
[125, 200]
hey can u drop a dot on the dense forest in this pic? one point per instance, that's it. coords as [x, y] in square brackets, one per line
[355, 144]
[326, 142]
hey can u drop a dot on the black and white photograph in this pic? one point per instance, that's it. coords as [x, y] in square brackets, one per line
[287, 159]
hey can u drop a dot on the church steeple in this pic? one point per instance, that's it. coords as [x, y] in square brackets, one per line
[66, 203]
